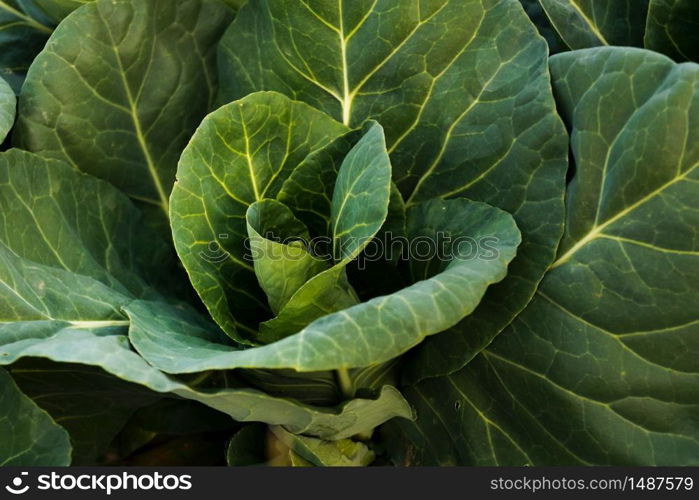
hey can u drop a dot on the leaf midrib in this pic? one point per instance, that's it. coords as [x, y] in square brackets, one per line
[346, 97]
[348, 94]
[248, 157]
[597, 231]
[133, 113]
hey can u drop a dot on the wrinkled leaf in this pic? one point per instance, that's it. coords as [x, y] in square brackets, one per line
[472, 115]
[29, 436]
[603, 365]
[120, 88]
[241, 154]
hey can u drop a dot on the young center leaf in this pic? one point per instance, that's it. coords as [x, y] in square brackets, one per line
[279, 247]
[603, 366]
[309, 189]
[358, 209]
[241, 154]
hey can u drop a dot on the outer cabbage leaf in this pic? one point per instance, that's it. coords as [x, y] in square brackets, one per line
[673, 29]
[241, 154]
[55, 10]
[8, 107]
[30, 437]
[536, 14]
[603, 365]
[462, 90]
[23, 33]
[120, 88]
[92, 406]
[590, 23]
[108, 349]
[25, 25]
[666, 26]
[73, 247]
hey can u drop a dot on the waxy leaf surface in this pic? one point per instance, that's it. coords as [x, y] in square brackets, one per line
[603, 365]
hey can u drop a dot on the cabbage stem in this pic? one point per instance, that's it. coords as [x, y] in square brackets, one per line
[345, 383]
